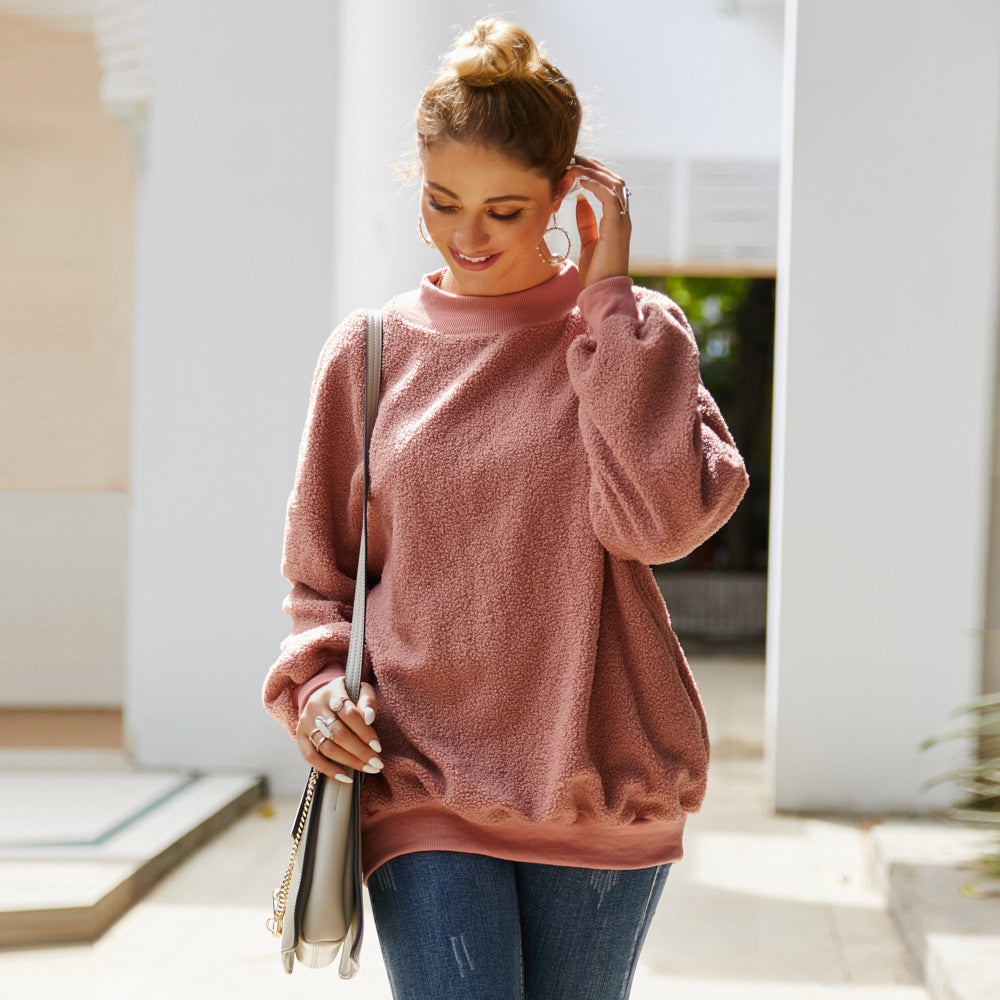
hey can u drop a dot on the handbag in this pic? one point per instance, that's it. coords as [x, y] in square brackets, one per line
[319, 906]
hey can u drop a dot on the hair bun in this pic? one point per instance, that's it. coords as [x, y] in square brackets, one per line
[495, 89]
[492, 52]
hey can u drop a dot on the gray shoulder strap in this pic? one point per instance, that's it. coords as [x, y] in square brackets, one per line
[373, 380]
[373, 375]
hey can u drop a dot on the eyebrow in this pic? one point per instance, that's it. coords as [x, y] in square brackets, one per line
[489, 201]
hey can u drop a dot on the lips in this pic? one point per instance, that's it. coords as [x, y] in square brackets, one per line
[479, 262]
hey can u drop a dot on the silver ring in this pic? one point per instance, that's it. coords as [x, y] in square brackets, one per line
[623, 198]
[323, 726]
[316, 745]
[336, 703]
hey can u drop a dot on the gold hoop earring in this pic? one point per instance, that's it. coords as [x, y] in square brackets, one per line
[543, 250]
[420, 229]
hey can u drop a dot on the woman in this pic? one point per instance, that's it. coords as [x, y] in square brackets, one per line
[531, 728]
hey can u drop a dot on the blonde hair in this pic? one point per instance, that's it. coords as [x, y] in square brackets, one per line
[496, 89]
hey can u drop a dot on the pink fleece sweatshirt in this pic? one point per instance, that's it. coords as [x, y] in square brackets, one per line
[533, 453]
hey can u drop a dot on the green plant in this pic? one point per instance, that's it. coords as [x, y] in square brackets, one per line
[733, 322]
[979, 779]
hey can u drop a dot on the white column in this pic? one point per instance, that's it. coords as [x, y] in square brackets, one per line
[885, 360]
[234, 256]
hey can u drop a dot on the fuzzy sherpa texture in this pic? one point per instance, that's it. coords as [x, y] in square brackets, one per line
[533, 454]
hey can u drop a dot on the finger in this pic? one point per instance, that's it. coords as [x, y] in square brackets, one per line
[335, 694]
[323, 764]
[611, 208]
[589, 162]
[345, 748]
[358, 718]
[586, 220]
[353, 719]
[368, 702]
[364, 750]
[342, 746]
[595, 170]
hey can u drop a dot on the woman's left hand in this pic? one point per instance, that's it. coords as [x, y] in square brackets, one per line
[604, 246]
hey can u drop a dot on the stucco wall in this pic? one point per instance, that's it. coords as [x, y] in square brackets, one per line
[66, 218]
[885, 362]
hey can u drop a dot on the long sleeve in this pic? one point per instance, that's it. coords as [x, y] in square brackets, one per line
[323, 528]
[665, 472]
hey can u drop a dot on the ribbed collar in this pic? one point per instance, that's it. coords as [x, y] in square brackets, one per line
[494, 315]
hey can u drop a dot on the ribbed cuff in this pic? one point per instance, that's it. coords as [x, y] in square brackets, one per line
[612, 296]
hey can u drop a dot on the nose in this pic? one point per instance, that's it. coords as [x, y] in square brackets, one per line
[470, 234]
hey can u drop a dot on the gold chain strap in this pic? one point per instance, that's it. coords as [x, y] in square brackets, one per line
[274, 924]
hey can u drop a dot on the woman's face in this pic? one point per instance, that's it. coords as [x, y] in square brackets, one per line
[486, 214]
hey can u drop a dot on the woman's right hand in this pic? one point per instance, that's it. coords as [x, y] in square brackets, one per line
[604, 244]
[352, 743]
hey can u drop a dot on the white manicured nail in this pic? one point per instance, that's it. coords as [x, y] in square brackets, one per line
[368, 769]
[369, 714]
[344, 778]
[376, 746]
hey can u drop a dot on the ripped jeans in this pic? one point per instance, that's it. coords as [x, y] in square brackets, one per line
[458, 926]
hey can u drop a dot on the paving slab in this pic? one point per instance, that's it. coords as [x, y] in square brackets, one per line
[78, 845]
[929, 876]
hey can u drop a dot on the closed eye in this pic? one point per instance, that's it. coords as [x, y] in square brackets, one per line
[442, 208]
[500, 216]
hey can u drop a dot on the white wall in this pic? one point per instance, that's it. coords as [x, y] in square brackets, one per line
[883, 382]
[65, 350]
[233, 303]
[63, 608]
[671, 78]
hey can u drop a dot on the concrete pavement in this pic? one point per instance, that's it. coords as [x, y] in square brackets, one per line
[762, 906]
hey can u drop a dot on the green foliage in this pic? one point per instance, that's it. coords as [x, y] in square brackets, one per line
[733, 324]
[712, 306]
[979, 779]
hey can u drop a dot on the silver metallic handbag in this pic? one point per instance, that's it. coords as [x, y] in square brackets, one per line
[319, 906]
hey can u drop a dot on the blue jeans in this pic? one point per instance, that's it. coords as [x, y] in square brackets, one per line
[467, 927]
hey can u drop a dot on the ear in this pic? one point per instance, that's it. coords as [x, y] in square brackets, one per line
[562, 189]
